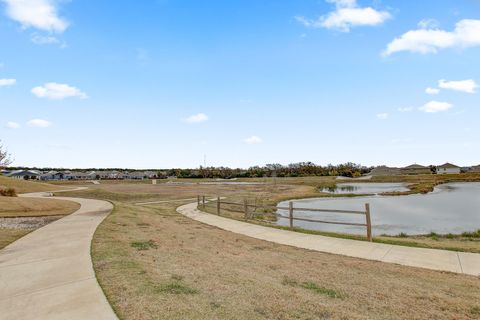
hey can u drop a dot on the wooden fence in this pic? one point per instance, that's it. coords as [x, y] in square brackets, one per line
[201, 201]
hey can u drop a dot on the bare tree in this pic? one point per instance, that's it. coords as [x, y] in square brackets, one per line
[5, 159]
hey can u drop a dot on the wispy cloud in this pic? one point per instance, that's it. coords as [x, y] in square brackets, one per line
[46, 40]
[406, 109]
[435, 106]
[12, 125]
[39, 123]
[468, 86]
[432, 91]
[382, 116]
[39, 14]
[431, 39]
[58, 91]
[253, 140]
[7, 82]
[346, 16]
[197, 118]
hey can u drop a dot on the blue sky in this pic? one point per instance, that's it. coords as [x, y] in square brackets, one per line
[161, 83]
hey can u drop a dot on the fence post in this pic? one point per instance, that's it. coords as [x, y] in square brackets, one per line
[198, 201]
[245, 208]
[218, 205]
[203, 202]
[369, 222]
[290, 213]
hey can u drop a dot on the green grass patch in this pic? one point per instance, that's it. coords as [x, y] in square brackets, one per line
[144, 245]
[175, 287]
[321, 290]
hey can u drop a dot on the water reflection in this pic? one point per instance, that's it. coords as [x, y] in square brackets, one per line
[365, 188]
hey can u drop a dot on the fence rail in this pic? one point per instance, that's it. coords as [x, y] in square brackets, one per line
[201, 201]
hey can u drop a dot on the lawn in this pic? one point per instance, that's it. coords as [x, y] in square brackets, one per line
[23, 186]
[156, 264]
[33, 207]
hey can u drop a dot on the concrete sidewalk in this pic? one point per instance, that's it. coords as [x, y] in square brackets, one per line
[458, 262]
[48, 274]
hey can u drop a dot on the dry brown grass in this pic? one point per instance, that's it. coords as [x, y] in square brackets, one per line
[22, 186]
[32, 207]
[156, 264]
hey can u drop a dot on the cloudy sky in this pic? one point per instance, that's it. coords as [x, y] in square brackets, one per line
[163, 83]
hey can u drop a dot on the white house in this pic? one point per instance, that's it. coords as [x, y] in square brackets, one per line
[448, 168]
[24, 174]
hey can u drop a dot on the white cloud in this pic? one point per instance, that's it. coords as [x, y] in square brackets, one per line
[40, 40]
[428, 24]
[58, 91]
[253, 140]
[7, 82]
[382, 116]
[347, 15]
[466, 34]
[435, 106]
[432, 91]
[12, 125]
[39, 14]
[197, 118]
[468, 86]
[39, 123]
[406, 109]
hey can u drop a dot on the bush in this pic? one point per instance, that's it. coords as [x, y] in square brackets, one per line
[8, 192]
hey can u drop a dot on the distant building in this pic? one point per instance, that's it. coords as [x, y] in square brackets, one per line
[415, 169]
[448, 168]
[25, 174]
[475, 169]
[385, 171]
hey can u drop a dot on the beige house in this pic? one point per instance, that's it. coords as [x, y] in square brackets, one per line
[448, 168]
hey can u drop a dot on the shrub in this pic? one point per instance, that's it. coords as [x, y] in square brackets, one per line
[8, 192]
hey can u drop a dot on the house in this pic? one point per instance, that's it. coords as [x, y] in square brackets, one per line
[475, 169]
[52, 175]
[25, 174]
[137, 175]
[415, 169]
[384, 171]
[448, 168]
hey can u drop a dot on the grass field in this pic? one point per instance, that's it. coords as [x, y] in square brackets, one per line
[29, 207]
[22, 186]
[267, 194]
[156, 264]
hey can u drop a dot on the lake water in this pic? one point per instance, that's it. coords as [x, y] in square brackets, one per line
[366, 188]
[451, 208]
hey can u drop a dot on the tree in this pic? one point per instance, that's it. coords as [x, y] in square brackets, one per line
[5, 159]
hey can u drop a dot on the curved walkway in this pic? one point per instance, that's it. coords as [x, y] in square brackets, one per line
[458, 262]
[48, 274]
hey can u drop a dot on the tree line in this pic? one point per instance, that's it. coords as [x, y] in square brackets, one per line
[300, 169]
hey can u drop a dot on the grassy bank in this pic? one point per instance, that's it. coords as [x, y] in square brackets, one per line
[23, 186]
[29, 207]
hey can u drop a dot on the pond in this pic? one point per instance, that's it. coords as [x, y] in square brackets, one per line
[451, 208]
[365, 188]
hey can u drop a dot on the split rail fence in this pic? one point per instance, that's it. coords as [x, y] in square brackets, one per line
[201, 201]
